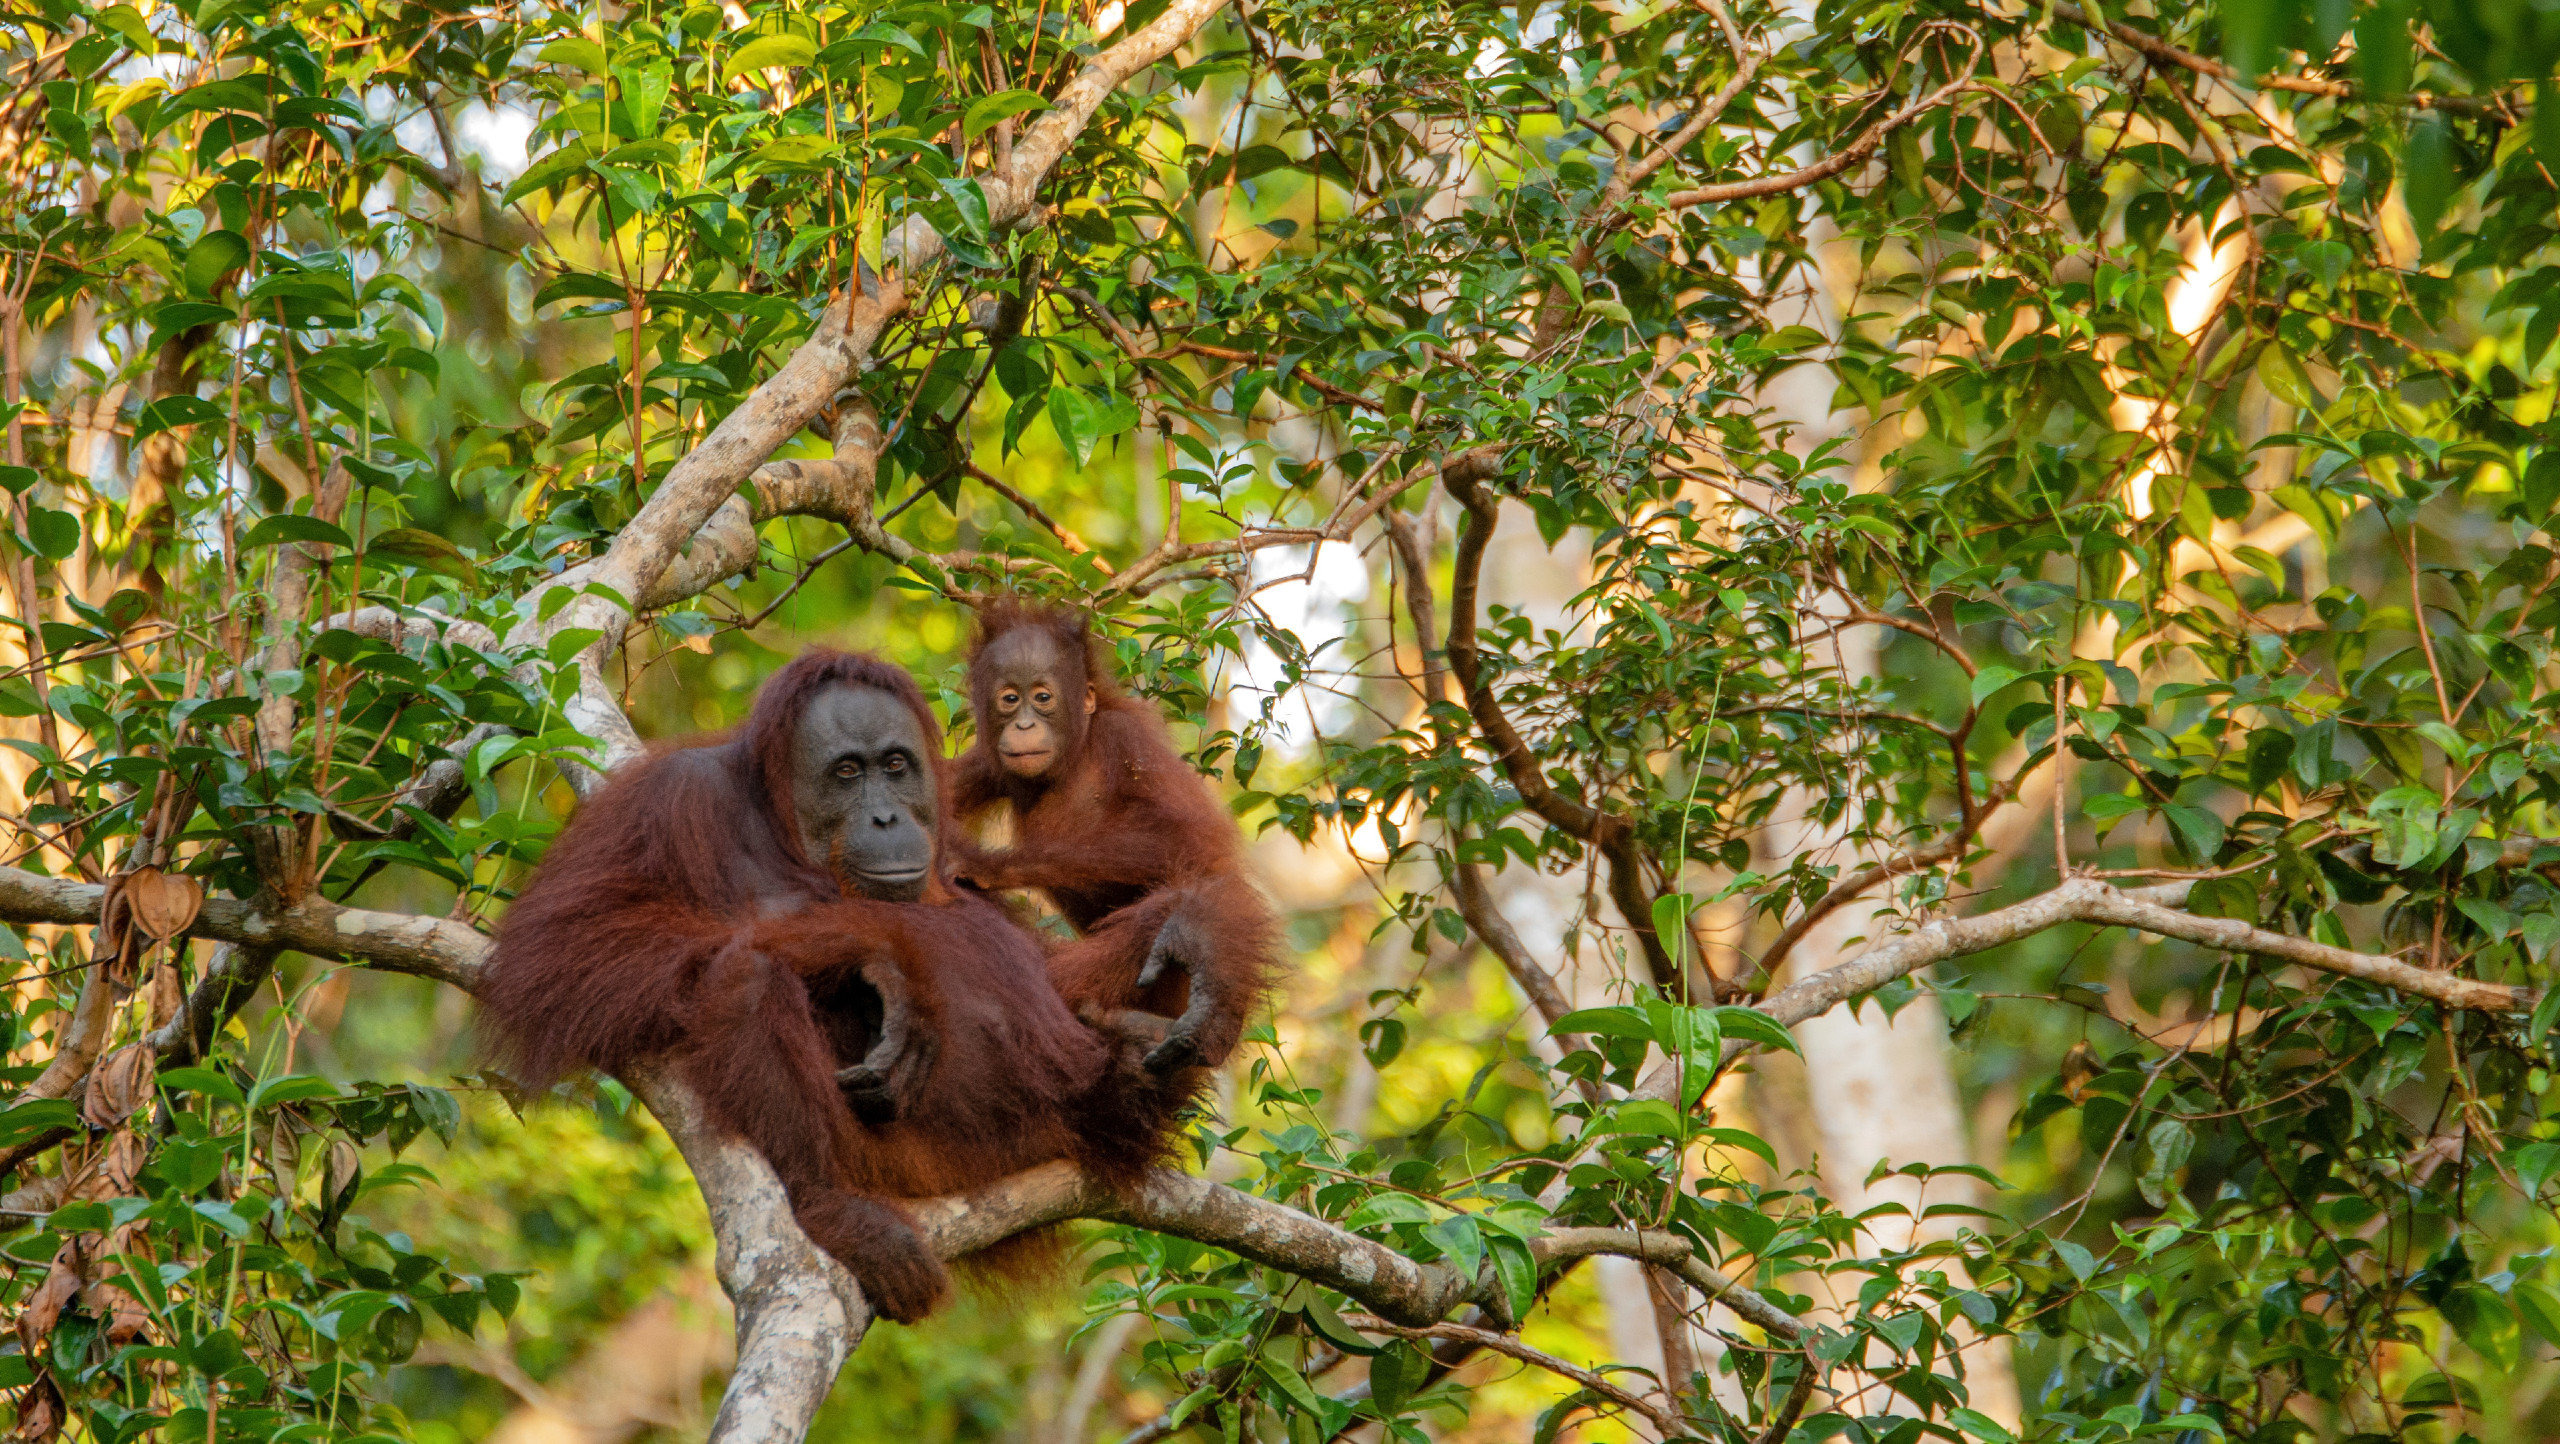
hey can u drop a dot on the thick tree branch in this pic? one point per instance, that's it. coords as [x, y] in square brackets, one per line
[231, 978]
[1561, 1246]
[1857, 884]
[2089, 900]
[425, 947]
[1268, 1233]
[707, 477]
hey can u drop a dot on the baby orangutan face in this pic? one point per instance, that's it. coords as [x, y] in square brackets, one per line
[1038, 703]
[862, 784]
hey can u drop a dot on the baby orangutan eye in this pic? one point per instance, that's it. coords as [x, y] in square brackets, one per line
[1009, 701]
[1040, 699]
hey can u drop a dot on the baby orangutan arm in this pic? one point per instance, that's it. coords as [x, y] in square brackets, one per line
[1126, 857]
[1213, 932]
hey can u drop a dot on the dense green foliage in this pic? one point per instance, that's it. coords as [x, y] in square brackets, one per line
[1947, 410]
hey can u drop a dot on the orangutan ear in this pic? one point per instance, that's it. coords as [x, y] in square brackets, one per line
[1088, 699]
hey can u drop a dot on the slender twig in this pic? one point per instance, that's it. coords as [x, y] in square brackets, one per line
[1510, 1347]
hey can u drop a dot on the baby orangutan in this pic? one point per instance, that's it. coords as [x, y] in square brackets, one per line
[1105, 814]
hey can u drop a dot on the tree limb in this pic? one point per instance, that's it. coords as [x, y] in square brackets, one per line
[425, 947]
[2086, 899]
[2168, 54]
[705, 479]
[1823, 169]
[1611, 833]
[1509, 1347]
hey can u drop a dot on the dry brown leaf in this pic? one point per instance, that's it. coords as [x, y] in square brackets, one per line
[124, 1311]
[121, 1084]
[44, 1307]
[120, 1164]
[163, 904]
[115, 916]
[167, 998]
[40, 1412]
[346, 1164]
[284, 1153]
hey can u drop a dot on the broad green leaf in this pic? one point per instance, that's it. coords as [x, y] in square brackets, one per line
[574, 50]
[986, 110]
[55, 534]
[770, 52]
[216, 255]
[290, 527]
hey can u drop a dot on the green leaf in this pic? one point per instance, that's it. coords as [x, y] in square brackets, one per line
[215, 255]
[2539, 1307]
[1671, 922]
[568, 642]
[54, 534]
[644, 94]
[574, 50]
[292, 1088]
[189, 1165]
[2199, 829]
[1328, 1326]
[1991, 679]
[970, 202]
[287, 527]
[1394, 1375]
[2429, 172]
[769, 53]
[171, 412]
[201, 1080]
[1387, 1207]
[421, 551]
[2161, 1158]
[987, 110]
[1750, 1025]
[2534, 1164]
[1461, 1240]
[35, 1118]
[1608, 1022]
[2075, 1258]
[793, 152]
[1290, 1382]
[1517, 1269]
[2251, 31]
[1078, 420]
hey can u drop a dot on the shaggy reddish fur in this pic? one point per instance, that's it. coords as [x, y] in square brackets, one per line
[677, 915]
[1118, 818]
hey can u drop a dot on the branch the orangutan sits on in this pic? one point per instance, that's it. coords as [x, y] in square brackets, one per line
[1106, 814]
[769, 910]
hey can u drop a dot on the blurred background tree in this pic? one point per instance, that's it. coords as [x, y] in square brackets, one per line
[2011, 540]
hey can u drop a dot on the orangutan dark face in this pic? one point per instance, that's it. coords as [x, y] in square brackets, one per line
[863, 788]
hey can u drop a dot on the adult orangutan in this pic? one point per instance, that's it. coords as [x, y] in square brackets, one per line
[1105, 814]
[768, 907]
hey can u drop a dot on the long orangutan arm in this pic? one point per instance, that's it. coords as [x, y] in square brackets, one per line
[860, 939]
[1130, 855]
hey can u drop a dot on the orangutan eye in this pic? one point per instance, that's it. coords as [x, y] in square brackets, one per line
[897, 763]
[1009, 701]
[1040, 699]
[848, 769]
